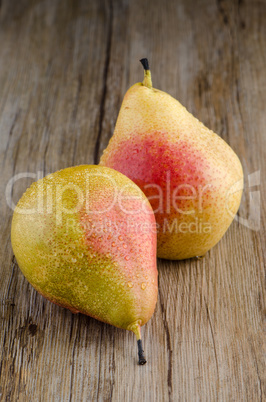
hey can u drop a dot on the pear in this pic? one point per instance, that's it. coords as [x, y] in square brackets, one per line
[192, 178]
[85, 238]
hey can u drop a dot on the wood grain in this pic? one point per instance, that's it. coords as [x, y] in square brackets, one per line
[64, 69]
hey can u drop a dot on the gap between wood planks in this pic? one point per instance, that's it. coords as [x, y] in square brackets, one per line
[105, 75]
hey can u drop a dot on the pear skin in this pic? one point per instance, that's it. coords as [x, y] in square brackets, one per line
[192, 178]
[84, 238]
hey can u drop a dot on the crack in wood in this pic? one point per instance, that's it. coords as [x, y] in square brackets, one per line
[214, 346]
[73, 356]
[11, 130]
[105, 75]
[222, 11]
[12, 276]
[238, 101]
[113, 370]
[99, 364]
[169, 349]
[74, 115]
[257, 369]
[47, 131]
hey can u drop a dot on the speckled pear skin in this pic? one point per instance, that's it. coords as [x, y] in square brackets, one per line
[81, 246]
[157, 142]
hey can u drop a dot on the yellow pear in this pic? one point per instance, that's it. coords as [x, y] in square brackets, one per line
[84, 238]
[192, 178]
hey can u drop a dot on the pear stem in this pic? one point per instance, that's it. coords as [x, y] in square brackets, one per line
[142, 359]
[135, 327]
[147, 74]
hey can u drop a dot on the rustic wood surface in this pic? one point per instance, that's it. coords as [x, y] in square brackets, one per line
[64, 68]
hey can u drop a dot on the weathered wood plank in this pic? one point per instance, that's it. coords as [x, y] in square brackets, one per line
[64, 68]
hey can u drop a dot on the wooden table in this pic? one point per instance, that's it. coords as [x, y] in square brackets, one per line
[64, 68]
